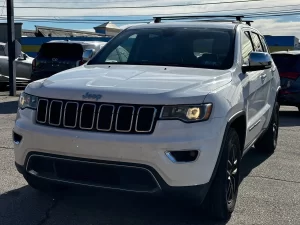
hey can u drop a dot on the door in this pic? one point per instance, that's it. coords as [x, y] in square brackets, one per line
[271, 84]
[262, 105]
[256, 90]
[23, 67]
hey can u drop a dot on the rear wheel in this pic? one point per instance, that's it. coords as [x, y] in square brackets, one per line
[268, 142]
[221, 199]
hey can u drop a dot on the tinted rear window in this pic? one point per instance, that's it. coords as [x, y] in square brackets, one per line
[61, 51]
[287, 62]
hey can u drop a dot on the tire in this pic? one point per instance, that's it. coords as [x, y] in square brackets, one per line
[268, 142]
[221, 199]
[43, 185]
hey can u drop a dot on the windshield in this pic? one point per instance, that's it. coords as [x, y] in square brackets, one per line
[183, 47]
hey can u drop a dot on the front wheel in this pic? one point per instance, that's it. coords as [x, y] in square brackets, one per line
[222, 196]
[268, 142]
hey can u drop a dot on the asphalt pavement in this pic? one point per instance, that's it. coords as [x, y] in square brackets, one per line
[269, 192]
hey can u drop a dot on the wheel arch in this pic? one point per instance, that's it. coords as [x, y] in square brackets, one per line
[238, 120]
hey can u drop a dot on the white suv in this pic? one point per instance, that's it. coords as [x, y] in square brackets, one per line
[175, 114]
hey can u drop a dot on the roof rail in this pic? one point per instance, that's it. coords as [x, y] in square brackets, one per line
[238, 18]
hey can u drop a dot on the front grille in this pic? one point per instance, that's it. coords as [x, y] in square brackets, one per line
[98, 117]
[91, 173]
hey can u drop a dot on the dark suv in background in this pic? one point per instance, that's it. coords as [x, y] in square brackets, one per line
[56, 56]
[288, 64]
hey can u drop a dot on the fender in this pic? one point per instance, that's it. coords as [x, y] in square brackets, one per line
[277, 92]
[230, 121]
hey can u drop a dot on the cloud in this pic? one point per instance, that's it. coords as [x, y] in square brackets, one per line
[266, 26]
[274, 27]
[98, 11]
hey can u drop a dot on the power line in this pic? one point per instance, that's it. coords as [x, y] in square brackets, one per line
[79, 2]
[254, 15]
[290, 11]
[228, 10]
[136, 7]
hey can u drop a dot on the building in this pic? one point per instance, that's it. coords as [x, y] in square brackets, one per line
[42, 31]
[3, 31]
[32, 40]
[282, 43]
[107, 28]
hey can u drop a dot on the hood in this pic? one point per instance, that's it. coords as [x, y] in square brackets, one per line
[132, 84]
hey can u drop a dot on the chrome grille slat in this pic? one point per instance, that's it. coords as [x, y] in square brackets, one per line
[37, 112]
[93, 120]
[137, 119]
[111, 120]
[76, 116]
[97, 117]
[131, 119]
[60, 113]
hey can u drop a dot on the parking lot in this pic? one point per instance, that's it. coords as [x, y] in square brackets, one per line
[269, 192]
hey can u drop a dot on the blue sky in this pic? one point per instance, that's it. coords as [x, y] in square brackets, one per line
[104, 10]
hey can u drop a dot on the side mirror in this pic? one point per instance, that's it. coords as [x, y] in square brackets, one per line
[258, 61]
[87, 55]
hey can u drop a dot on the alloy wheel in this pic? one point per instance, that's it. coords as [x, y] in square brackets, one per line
[232, 174]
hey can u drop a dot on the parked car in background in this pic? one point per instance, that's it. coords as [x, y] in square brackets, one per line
[23, 67]
[288, 64]
[57, 56]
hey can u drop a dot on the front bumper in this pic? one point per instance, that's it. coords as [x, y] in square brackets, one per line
[146, 150]
[134, 184]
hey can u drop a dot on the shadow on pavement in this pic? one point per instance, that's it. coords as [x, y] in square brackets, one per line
[90, 206]
[251, 160]
[8, 107]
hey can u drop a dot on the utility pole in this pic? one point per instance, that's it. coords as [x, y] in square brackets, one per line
[11, 47]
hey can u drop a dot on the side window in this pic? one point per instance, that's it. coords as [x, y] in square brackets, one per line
[263, 42]
[2, 53]
[247, 47]
[256, 42]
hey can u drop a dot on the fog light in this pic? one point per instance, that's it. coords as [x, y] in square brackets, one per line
[183, 156]
[17, 138]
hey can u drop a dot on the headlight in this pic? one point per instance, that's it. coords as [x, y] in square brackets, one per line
[27, 101]
[187, 113]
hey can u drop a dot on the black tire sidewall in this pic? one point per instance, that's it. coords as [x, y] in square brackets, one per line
[217, 196]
